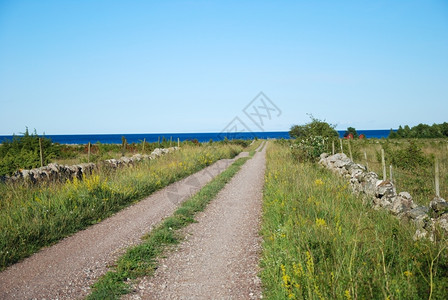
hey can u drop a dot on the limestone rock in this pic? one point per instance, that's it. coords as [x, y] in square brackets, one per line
[402, 203]
[417, 212]
[442, 223]
[438, 207]
[385, 190]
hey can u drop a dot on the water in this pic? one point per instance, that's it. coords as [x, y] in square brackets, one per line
[201, 137]
[376, 133]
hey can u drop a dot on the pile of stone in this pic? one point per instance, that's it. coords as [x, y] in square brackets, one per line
[55, 172]
[382, 194]
[126, 161]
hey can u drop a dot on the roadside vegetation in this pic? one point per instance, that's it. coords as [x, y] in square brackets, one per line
[311, 139]
[321, 242]
[141, 260]
[23, 151]
[412, 161]
[34, 216]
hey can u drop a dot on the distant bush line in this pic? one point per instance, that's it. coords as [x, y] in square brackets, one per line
[420, 131]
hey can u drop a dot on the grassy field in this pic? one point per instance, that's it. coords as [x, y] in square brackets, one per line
[412, 162]
[321, 242]
[75, 154]
[141, 260]
[32, 217]
[24, 151]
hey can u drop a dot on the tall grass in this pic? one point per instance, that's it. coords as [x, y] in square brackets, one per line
[321, 242]
[417, 180]
[32, 217]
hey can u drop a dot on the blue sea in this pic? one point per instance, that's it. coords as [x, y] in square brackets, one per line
[201, 137]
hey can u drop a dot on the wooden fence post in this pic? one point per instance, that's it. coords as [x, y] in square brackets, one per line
[367, 161]
[178, 142]
[123, 145]
[342, 149]
[332, 147]
[41, 153]
[383, 163]
[437, 178]
[350, 149]
[391, 174]
[144, 142]
[88, 153]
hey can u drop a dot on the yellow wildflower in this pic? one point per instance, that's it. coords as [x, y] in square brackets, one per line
[320, 222]
[407, 273]
[309, 263]
[298, 270]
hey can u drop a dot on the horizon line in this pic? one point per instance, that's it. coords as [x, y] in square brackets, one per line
[47, 134]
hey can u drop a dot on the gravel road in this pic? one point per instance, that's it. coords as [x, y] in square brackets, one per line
[67, 269]
[219, 258]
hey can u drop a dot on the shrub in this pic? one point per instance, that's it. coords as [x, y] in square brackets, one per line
[314, 128]
[22, 152]
[409, 158]
[309, 149]
[312, 139]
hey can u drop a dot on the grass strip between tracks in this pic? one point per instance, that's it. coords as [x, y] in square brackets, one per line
[141, 260]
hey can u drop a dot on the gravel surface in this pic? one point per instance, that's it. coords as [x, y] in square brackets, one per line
[67, 269]
[220, 255]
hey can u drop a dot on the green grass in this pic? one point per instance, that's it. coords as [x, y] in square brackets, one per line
[141, 260]
[32, 217]
[321, 242]
[252, 149]
[418, 180]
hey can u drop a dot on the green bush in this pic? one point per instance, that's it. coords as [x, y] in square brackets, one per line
[309, 149]
[314, 128]
[409, 158]
[22, 152]
[312, 139]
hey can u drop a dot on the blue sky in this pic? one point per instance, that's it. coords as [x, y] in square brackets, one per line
[70, 67]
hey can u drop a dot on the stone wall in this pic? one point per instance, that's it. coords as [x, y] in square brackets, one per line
[382, 194]
[55, 172]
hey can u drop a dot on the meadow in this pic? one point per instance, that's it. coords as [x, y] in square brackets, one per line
[412, 161]
[321, 242]
[34, 216]
[30, 150]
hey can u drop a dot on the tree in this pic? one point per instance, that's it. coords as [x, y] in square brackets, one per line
[352, 131]
[314, 128]
[444, 129]
[422, 131]
[297, 131]
[312, 139]
[393, 134]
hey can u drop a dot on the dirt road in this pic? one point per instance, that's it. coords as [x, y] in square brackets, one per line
[67, 269]
[219, 258]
